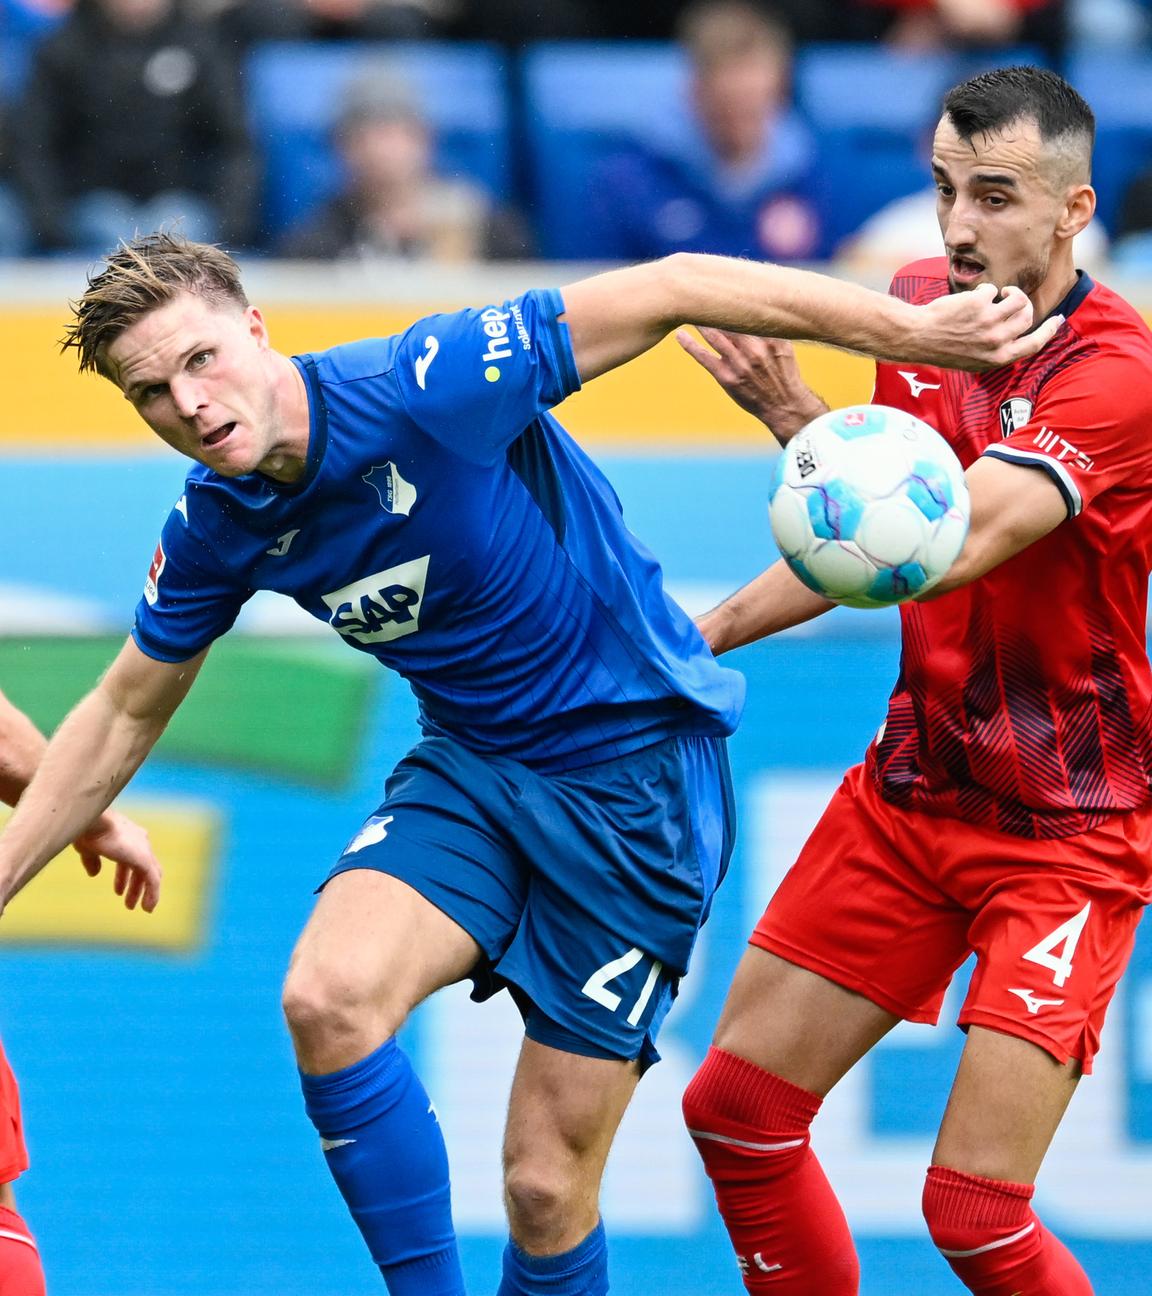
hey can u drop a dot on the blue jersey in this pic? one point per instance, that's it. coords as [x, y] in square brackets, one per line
[448, 526]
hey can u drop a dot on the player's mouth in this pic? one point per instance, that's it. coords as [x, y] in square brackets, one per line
[217, 436]
[965, 270]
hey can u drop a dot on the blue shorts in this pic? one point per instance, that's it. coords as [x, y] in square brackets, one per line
[585, 890]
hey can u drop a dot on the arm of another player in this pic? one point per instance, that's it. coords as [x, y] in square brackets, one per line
[113, 835]
[90, 758]
[1013, 506]
[616, 316]
[774, 601]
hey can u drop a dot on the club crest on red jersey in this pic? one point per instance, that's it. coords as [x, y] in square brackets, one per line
[1014, 414]
[151, 585]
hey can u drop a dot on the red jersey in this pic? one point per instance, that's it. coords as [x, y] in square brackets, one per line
[13, 1157]
[1023, 701]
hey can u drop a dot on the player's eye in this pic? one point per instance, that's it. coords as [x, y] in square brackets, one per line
[151, 393]
[199, 360]
[945, 191]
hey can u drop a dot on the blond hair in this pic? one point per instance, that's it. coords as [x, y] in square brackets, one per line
[141, 275]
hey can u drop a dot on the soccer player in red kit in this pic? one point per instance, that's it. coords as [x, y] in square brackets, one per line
[1004, 807]
[137, 879]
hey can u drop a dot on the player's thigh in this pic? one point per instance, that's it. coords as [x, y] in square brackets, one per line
[563, 1113]
[1005, 1107]
[375, 941]
[797, 1024]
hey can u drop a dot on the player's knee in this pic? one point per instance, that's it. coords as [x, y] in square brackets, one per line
[966, 1214]
[539, 1197]
[328, 1004]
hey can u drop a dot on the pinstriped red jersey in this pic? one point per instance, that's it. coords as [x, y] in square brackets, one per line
[1024, 700]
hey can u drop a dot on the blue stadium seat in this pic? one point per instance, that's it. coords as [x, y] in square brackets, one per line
[295, 92]
[874, 108]
[1118, 86]
[582, 100]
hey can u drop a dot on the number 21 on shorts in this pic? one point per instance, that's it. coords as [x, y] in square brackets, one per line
[596, 987]
[1055, 951]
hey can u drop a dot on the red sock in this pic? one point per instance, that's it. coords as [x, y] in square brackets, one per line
[989, 1234]
[751, 1129]
[20, 1271]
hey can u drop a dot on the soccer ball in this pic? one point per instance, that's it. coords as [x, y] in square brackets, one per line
[869, 506]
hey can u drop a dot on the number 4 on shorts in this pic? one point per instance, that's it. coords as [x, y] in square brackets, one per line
[1066, 935]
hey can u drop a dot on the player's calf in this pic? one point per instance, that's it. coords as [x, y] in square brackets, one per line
[751, 1130]
[988, 1232]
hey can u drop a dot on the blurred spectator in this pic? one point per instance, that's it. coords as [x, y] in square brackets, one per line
[942, 24]
[130, 121]
[244, 22]
[13, 225]
[393, 204]
[1133, 247]
[740, 178]
[1116, 23]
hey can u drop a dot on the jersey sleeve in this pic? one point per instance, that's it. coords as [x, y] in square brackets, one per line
[474, 380]
[1088, 430]
[189, 600]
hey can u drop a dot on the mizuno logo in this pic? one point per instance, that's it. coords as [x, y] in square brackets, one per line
[330, 1145]
[283, 543]
[914, 383]
[1033, 1004]
[422, 362]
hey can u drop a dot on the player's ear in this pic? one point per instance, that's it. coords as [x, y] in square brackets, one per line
[256, 326]
[1079, 208]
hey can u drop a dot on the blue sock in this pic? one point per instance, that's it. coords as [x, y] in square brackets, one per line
[583, 1271]
[383, 1145]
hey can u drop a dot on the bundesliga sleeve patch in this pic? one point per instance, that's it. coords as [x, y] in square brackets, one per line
[152, 584]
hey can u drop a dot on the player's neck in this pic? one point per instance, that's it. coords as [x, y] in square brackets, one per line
[287, 459]
[1059, 283]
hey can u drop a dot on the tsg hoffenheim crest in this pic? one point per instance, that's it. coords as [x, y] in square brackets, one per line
[396, 494]
[1014, 414]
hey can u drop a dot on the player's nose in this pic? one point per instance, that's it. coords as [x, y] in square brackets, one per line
[187, 396]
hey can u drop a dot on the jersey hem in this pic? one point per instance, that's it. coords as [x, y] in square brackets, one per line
[842, 977]
[161, 654]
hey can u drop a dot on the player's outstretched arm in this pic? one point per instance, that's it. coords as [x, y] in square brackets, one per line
[1013, 506]
[774, 601]
[90, 758]
[617, 315]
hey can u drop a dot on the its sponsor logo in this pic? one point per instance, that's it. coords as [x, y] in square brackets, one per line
[1054, 444]
[283, 543]
[182, 508]
[380, 607]
[152, 584]
[1032, 1003]
[746, 1264]
[499, 348]
[396, 494]
[1014, 414]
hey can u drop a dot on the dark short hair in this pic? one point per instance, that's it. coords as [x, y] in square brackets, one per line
[994, 99]
[141, 275]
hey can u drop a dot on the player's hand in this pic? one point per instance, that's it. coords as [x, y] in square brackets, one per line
[117, 838]
[760, 374]
[981, 329]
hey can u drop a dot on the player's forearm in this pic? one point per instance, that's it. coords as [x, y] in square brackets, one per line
[774, 601]
[89, 760]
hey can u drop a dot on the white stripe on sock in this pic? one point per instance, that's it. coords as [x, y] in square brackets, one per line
[754, 1147]
[991, 1246]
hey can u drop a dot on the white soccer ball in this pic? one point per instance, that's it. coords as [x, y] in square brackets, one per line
[869, 506]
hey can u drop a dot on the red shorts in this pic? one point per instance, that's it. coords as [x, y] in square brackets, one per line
[13, 1155]
[890, 902]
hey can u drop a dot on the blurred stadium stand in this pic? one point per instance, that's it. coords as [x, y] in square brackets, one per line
[295, 95]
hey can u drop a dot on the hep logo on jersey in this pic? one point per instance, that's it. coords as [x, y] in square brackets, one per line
[152, 584]
[380, 607]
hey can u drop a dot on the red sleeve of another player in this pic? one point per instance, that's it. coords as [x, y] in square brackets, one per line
[1088, 430]
[13, 1156]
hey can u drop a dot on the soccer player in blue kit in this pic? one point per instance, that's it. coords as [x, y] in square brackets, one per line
[563, 822]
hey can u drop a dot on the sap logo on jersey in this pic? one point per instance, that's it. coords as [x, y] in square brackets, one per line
[380, 607]
[152, 584]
